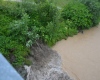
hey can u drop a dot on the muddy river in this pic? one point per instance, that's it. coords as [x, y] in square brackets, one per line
[81, 54]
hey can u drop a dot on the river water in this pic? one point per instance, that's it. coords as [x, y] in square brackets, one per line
[81, 54]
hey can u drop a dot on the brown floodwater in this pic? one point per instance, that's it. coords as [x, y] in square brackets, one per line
[81, 54]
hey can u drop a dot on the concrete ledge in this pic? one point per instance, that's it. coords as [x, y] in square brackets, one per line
[7, 72]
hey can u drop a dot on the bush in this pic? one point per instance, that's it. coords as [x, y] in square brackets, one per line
[47, 21]
[16, 9]
[56, 31]
[71, 29]
[78, 14]
[4, 22]
[13, 9]
[22, 32]
[51, 33]
[16, 39]
[46, 13]
[16, 53]
[94, 8]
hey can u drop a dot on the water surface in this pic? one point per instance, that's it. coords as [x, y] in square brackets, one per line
[81, 54]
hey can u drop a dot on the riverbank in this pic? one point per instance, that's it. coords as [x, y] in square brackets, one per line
[81, 54]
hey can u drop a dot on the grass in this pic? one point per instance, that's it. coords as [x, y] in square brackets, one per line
[61, 3]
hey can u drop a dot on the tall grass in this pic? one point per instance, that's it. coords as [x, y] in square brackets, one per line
[60, 3]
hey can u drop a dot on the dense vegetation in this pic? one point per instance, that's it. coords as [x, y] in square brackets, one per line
[78, 14]
[24, 23]
[94, 8]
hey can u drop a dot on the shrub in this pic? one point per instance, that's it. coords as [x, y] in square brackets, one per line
[16, 53]
[22, 32]
[52, 33]
[94, 8]
[56, 31]
[71, 29]
[16, 9]
[4, 22]
[17, 39]
[11, 8]
[78, 14]
[46, 12]
[18, 29]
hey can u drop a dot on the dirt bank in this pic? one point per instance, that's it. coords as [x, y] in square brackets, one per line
[81, 54]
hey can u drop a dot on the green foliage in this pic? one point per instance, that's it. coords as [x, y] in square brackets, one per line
[15, 38]
[46, 20]
[19, 28]
[54, 32]
[78, 14]
[12, 39]
[40, 1]
[24, 23]
[11, 8]
[72, 30]
[46, 33]
[94, 8]
[4, 22]
[46, 13]
[51, 34]
[61, 3]
[13, 51]
[16, 9]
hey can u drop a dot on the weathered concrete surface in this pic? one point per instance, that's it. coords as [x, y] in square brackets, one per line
[7, 72]
[46, 65]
